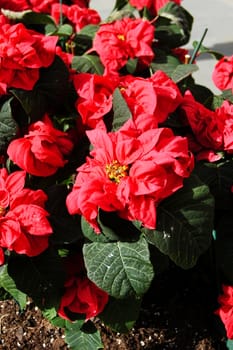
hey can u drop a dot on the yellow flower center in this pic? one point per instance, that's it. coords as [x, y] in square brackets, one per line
[2, 211]
[121, 37]
[115, 171]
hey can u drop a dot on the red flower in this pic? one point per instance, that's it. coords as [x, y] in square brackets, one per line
[152, 5]
[95, 98]
[181, 54]
[81, 295]
[155, 97]
[223, 73]
[2, 257]
[168, 95]
[206, 126]
[139, 4]
[225, 114]
[42, 5]
[140, 96]
[41, 152]
[24, 226]
[14, 5]
[123, 39]
[130, 172]
[22, 53]
[225, 311]
[78, 16]
[81, 3]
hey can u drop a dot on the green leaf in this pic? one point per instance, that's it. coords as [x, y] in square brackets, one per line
[64, 30]
[218, 100]
[66, 228]
[229, 344]
[89, 232]
[184, 223]
[182, 71]
[227, 95]
[9, 285]
[84, 38]
[131, 65]
[8, 126]
[28, 17]
[85, 338]
[172, 67]
[204, 49]
[49, 93]
[173, 26]
[119, 4]
[120, 314]
[122, 269]
[121, 110]
[41, 277]
[223, 243]
[117, 14]
[166, 63]
[88, 30]
[50, 313]
[87, 64]
[218, 177]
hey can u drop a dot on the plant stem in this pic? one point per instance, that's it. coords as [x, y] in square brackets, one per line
[61, 17]
[198, 47]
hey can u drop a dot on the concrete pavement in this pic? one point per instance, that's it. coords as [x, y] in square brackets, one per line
[216, 15]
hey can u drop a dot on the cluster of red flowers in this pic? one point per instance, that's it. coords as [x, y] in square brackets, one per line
[128, 171]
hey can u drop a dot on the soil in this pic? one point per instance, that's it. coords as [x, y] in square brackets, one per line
[177, 313]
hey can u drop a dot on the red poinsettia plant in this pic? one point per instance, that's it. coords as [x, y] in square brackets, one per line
[110, 152]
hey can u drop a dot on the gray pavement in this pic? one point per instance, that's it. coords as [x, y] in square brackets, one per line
[216, 15]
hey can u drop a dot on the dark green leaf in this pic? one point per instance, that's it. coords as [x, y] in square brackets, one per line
[223, 244]
[201, 93]
[122, 269]
[119, 4]
[28, 17]
[131, 65]
[218, 100]
[218, 176]
[86, 338]
[8, 284]
[173, 26]
[164, 62]
[115, 228]
[50, 92]
[172, 67]
[8, 126]
[121, 314]
[89, 232]
[183, 232]
[66, 228]
[84, 38]
[88, 64]
[40, 277]
[121, 110]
